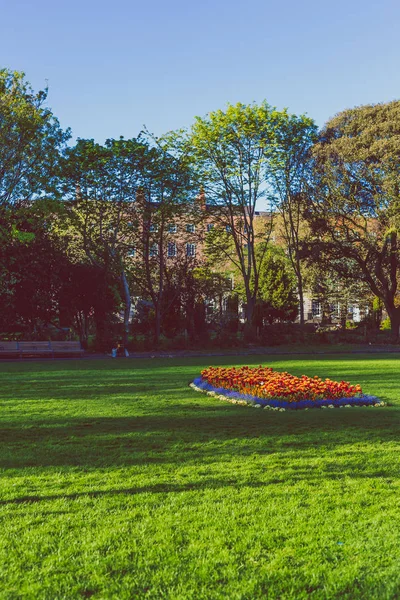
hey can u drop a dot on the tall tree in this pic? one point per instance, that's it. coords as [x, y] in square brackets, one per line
[101, 184]
[354, 211]
[277, 292]
[231, 150]
[30, 140]
[166, 216]
[289, 175]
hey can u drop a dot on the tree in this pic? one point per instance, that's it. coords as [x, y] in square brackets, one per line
[276, 297]
[122, 198]
[30, 144]
[100, 190]
[335, 294]
[37, 273]
[30, 141]
[165, 204]
[231, 151]
[354, 208]
[28, 299]
[213, 289]
[89, 297]
[277, 290]
[290, 172]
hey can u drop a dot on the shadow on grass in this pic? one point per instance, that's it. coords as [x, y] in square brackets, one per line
[205, 434]
[161, 488]
[238, 484]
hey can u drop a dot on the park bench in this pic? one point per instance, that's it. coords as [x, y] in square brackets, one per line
[21, 349]
[66, 348]
[35, 349]
[9, 349]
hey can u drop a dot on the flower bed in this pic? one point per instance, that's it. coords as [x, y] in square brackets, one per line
[264, 387]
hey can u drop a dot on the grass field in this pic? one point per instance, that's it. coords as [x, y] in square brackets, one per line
[118, 481]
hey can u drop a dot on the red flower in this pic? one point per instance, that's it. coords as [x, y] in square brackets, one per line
[264, 382]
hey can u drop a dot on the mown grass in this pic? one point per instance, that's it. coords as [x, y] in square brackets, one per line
[118, 481]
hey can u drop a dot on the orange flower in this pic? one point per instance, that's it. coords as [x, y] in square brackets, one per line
[264, 382]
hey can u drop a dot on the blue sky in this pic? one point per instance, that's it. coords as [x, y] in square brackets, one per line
[114, 66]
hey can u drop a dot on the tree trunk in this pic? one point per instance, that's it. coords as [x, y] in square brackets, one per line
[250, 304]
[344, 309]
[301, 298]
[394, 314]
[127, 308]
[250, 332]
[157, 324]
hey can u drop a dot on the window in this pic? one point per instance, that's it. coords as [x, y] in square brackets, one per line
[153, 228]
[228, 229]
[172, 228]
[132, 252]
[210, 226]
[171, 249]
[316, 308]
[190, 249]
[335, 309]
[153, 250]
[190, 228]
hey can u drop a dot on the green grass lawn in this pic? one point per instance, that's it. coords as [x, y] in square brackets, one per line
[118, 481]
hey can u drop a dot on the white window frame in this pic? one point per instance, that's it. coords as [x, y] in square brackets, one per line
[153, 250]
[316, 308]
[171, 251]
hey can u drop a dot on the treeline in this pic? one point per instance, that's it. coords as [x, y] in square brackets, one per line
[149, 237]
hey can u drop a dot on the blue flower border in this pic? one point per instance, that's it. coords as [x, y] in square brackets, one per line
[363, 400]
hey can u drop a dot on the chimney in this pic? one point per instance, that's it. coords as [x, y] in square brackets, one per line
[201, 199]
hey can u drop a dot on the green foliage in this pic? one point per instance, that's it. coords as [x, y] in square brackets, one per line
[30, 141]
[385, 325]
[354, 211]
[289, 164]
[220, 249]
[31, 263]
[277, 288]
[276, 297]
[231, 149]
[289, 177]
